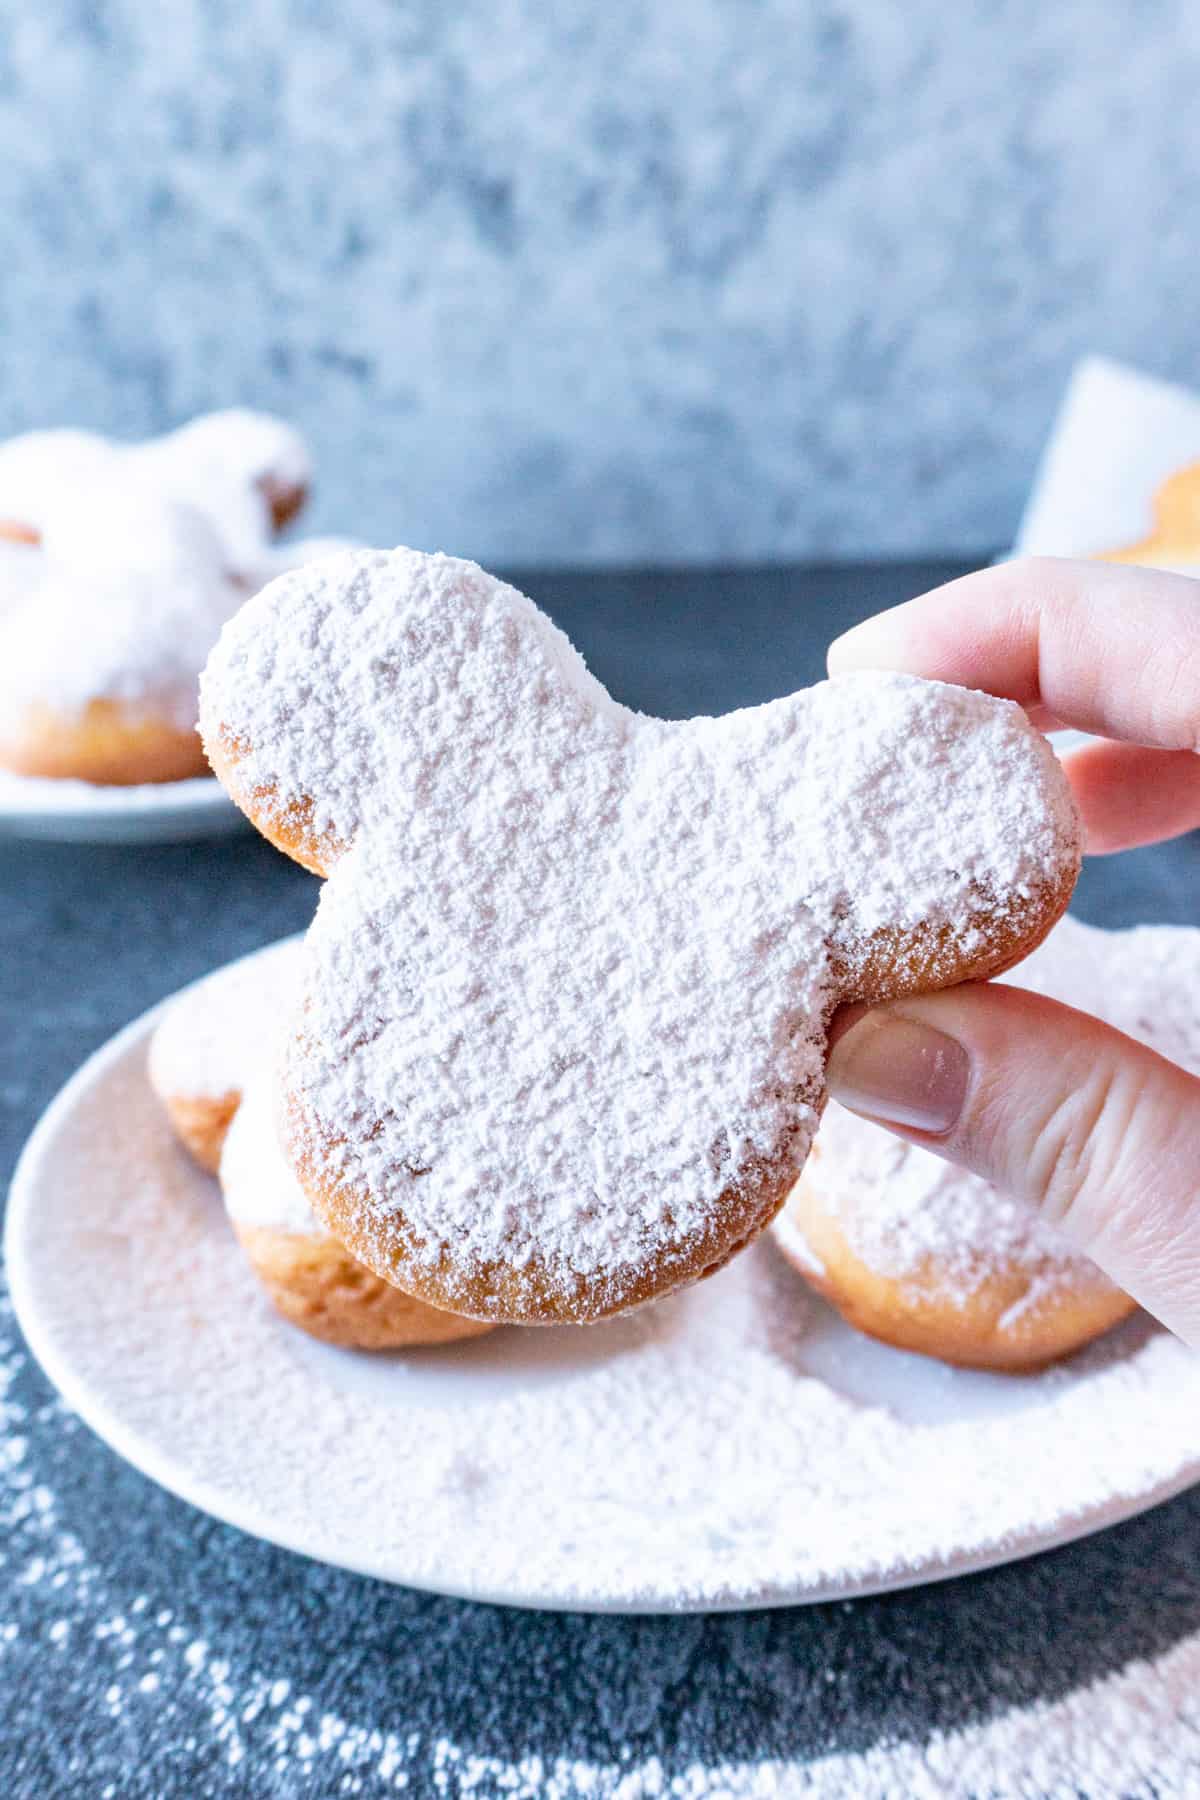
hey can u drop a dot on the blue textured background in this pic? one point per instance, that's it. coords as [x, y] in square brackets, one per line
[590, 279]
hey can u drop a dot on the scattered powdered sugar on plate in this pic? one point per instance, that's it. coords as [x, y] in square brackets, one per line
[567, 991]
[902, 1208]
[709, 1451]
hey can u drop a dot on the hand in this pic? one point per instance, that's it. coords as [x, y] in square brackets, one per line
[1096, 1131]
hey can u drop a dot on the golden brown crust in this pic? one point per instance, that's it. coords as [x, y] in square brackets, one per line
[1011, 1321]
[536, 1293]
[314, 1282]
[317, 1286]
[894, 963]
[201, 1123]
[109, 743]
[284, 499]
[289, 827]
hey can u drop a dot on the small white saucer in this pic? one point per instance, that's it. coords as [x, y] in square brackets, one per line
[736, 1445]
[76, 812]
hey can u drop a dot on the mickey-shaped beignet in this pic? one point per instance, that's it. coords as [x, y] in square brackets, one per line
[561, 1041]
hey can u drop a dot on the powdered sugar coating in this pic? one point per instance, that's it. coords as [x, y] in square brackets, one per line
[40, 470]
[226, 465]
[216, 1033]
[904, 1211]
[567, 988]
[146, 550]
[20, 570]
[257, 1182]
[132, 589]
[230, 465]
[123, 601]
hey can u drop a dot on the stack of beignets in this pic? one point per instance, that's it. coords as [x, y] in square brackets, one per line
[210, 1065]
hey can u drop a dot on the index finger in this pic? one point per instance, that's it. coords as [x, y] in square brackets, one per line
[1106, 649]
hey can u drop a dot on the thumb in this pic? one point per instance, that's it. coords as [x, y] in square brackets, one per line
[1096, 1131]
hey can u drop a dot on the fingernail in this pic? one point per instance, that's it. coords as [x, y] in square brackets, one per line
[871, 644]
[901, 1072]
[841, 654]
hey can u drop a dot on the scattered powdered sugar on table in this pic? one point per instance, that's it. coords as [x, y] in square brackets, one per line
[902, 1208]
[569, 987]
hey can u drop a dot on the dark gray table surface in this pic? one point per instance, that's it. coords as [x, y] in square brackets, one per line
[147, 1651]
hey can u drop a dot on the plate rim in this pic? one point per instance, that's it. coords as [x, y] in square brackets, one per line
[144, 812]
[167, 1472]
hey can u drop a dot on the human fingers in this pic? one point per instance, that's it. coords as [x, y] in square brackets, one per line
[1129, 795]
[1096, 1131]
[1106, 649]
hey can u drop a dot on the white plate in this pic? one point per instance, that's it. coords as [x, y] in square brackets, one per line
[76, 812]
[734, 1446]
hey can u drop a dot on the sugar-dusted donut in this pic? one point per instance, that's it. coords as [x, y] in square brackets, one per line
[930, 1258]
[310, 1278]
[120, 563]
[561, 1037]
[212, 1048]
[98, 660]
[20, 566]
[212, 1037]
[101, 645]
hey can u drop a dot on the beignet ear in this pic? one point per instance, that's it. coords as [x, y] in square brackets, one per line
[349, 674]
